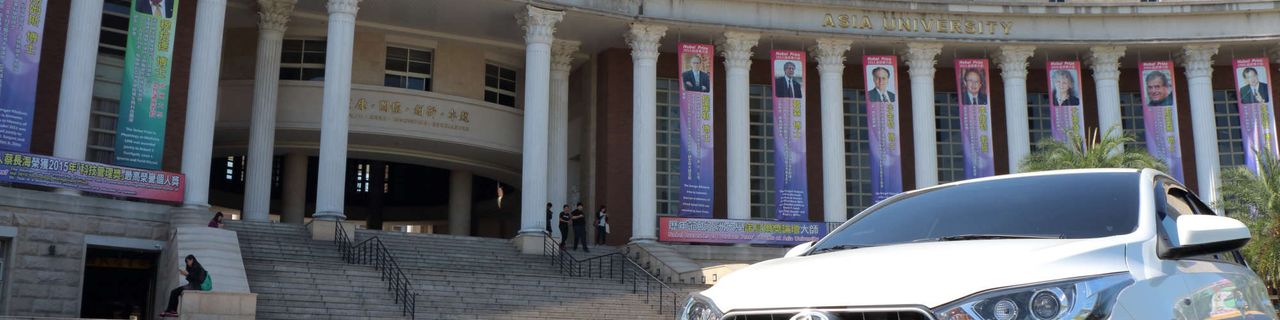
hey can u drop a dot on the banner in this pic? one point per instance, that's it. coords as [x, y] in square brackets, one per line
[22, 26]
[672, 229]
[882, 125]
[144, 96]
[790, 183]
[697, 153]
[975, 117]
[18, 167]
[1257, 120]
[1066, 110]
[1160, 114]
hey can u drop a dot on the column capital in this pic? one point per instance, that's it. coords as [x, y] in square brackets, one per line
[644, 40]
[538, 24]
[921, 57]
[735, 47]
[343, 6]
[830, 54]
[562, 54]
[1105, 62]
[1198, 59]
[1013, 61]
[273, 15]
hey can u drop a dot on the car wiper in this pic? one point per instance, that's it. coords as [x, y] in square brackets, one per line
[991, 236]
[840, 247]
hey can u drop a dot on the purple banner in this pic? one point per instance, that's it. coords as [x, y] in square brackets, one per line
[697, 153]
[18, 167]
[1257, 120]
[975, 117]
[672, 229]
[22, 26]
[1160, 114]
[790, 183]
[882, 125]
[1066, 110]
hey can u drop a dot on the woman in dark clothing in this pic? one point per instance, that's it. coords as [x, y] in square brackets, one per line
[565, 217]
[217, 220]
[195, 277]
[602, 225]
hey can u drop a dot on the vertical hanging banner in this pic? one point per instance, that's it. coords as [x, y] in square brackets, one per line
[144, 97]
[1257, 119]
[790, 184]
[882, 125]
[697, 154]
[22, 26]
[1066, 112]
[975, 117]
[1160, 114]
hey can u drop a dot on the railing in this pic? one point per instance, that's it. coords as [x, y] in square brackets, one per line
[372, 252]
[619, 267]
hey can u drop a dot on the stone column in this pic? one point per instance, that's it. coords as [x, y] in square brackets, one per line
[1198, 61]
[331, 183]
[736, 49]
[558, 146]
[294, 188]
[921, 57]
[1013, 68]
[1105, 62]
[539, 26]
[272, 21]
[202, 101]
[643, 39]
[830, 55]
[76, 97]
[460, 203]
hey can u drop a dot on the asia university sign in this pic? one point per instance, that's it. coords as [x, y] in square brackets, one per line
[916, 23]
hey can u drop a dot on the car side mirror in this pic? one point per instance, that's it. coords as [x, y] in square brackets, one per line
[1206, 234]
[798, 250]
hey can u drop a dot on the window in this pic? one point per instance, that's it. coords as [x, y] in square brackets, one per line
[233, 169]
[302, 60]
[668, 146]
[1039, 119]
[362, 177]
[408, 68]
[857, 153]
[950, 148]
[1131, 120]
[500, 85]
[1227, 117]
[760, 111]
[102, 131]
[114, 36]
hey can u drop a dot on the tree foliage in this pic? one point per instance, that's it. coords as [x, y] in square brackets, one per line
[1098, 152]
[1255, 200]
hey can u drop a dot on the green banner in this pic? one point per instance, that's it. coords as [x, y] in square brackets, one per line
[144, 97]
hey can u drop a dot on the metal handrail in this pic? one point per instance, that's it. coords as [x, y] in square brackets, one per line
[372, 252]
[614, 266]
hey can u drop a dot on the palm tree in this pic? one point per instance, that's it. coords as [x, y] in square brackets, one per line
[1255, 200]
[1094, 153]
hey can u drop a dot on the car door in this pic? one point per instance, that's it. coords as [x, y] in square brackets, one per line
[1160, 291]
[1221, 285]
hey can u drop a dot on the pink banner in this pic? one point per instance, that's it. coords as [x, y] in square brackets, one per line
[671, 229]
[882, 125]
[790, 182]
[17, 167]
[1257, 117]
[697, 149]
[972, 77]
[1160, 114]
[1066, 109]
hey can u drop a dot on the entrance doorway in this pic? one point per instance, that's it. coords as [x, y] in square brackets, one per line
[119, 284]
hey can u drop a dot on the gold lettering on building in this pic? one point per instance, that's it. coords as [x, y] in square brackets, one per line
[904, 22]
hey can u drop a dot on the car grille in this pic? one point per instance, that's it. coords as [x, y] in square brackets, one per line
[837, 314]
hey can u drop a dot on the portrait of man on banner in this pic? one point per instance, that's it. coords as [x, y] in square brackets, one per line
[789, 83]
[975, 93]
[1159, 92]
[159, 8]
[882, 84]
[695, 76]
[1255, 89]
[1066, 90]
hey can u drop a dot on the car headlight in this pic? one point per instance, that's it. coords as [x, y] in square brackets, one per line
[1084, 298]
[698, 307]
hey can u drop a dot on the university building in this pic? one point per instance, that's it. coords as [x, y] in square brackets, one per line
[467, 117]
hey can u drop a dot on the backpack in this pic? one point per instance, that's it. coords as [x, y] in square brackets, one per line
[208, 282]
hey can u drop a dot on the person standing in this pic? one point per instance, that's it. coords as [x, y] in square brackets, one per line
[565, 217]
[195, 277]
[580, 228]
[548, 225]
[602, 225]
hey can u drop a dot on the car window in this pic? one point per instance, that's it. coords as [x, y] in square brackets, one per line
[1178, 202]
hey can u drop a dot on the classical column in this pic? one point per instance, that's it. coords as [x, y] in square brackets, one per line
[1105, 62]
[736, 49]
[1013, 69]
[331, 183]
[643, 39]
[920, 58]
[272, 20]
[558, 146]
[294, 188]
[830, 55]
[539, 26]
[78, 65]
[202, 101]
[1198, 61]
[460, 203]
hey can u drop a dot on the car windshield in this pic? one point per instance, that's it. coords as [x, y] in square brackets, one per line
[1071, 206]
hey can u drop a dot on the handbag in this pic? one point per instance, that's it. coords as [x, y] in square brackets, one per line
[207, 284]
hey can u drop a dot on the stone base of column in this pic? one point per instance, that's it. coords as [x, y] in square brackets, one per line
[327, 230]
[531, 243]
[328, 216]
[642, 240]
[191, 217]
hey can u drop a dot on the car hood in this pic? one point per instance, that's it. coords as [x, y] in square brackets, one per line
[927, 274]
